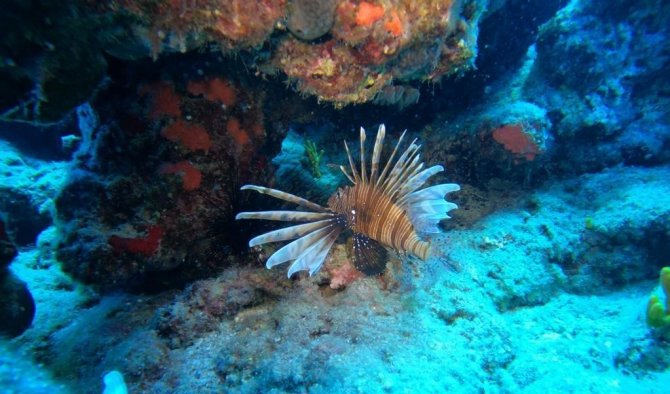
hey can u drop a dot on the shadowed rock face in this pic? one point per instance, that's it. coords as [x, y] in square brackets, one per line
[7, 248]
[310, 19]
[17, 308]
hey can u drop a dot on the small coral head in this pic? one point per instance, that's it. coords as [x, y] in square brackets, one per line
[657, 316]
[665, 280]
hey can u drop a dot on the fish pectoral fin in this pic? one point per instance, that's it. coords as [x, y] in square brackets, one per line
[368, 255]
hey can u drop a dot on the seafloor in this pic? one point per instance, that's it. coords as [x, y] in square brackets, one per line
[119, 196]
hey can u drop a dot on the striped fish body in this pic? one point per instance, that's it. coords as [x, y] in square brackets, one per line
[369, 211]
[383, 208]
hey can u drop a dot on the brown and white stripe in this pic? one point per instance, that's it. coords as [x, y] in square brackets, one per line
[387, 207]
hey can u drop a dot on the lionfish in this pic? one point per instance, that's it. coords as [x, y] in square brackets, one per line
[386, 208]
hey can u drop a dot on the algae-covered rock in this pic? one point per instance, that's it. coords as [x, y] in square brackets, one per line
[310, 19]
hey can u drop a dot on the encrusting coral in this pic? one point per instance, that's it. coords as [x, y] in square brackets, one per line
[374, 45]
[340, 51]
[167, 155]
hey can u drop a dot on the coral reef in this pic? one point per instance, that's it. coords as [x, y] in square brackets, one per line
[252, 329]
[183, 26]
[368, 50]
[601, 118]
[562, 108]
[197, 138]
[370, 44]
[374, 44]
[540, 283]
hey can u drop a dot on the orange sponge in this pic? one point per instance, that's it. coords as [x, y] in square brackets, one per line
[368, 13]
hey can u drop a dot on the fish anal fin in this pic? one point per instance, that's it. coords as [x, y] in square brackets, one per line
[368, 255]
